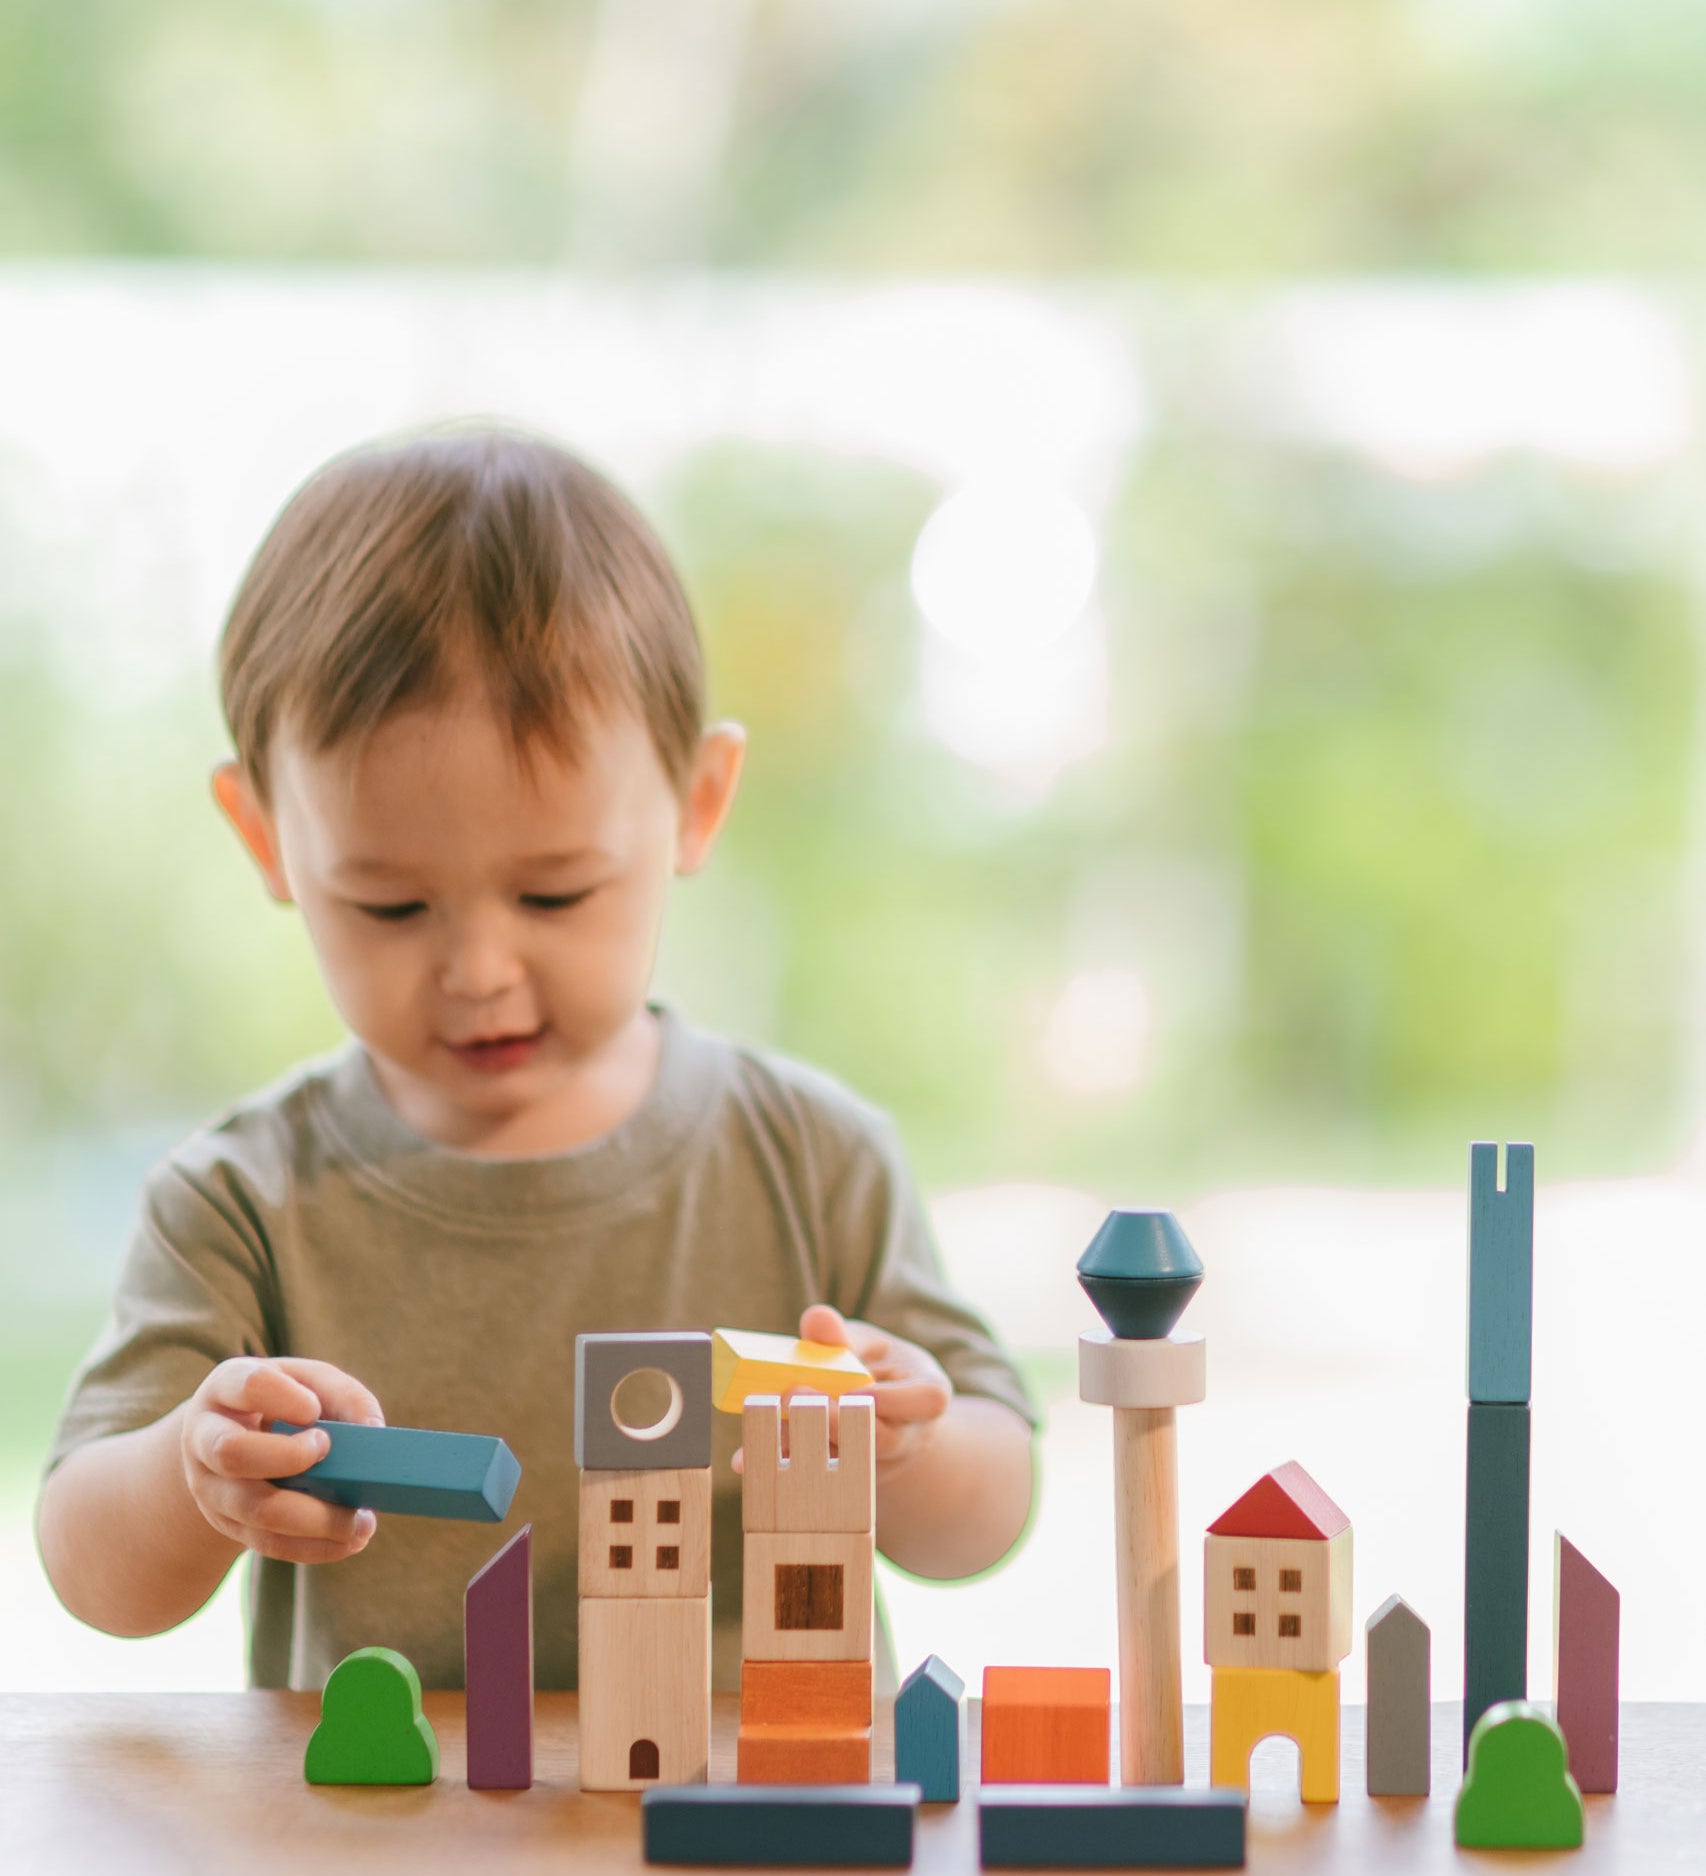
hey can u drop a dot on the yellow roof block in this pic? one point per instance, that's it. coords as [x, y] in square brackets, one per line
[750, 1361]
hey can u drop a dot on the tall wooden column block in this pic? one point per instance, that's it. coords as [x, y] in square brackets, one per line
[645, 1700]
[1495, 1561]
[1586, 1614]
[498, 1668]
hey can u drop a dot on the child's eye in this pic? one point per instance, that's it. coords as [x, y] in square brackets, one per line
[554, 901]
[393, 914]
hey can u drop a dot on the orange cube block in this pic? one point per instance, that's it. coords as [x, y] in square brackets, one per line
[1046, 1726]
[832, 1696]
[802, 1755]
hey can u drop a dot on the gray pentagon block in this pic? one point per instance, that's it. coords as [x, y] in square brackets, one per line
[603, 1362]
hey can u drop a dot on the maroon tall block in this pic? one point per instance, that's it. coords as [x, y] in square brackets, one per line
[497, 1641]
[1584, 1654]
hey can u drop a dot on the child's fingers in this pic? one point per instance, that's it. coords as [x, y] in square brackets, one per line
[341, 1396]
[298, 1549]
[274, 1512]
[821, 1323]
[234, 1451]
[902, 1403]
[252, 1385]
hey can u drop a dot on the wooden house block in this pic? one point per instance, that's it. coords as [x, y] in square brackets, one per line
[1586, 1612]
[1248, 1705]
[646, 1533]
[414, 1471]
[808, 1490]
[929, 1723]
[1123, 1827]
[1495, 1561]
[645, 1691]
[750, 1361]
[606, 1440]
[1501, 1273]
[803, 1755]
[372, 1730]
[832, 1696]
[1046, 1726]
[859, 1826]
[1283, 1503]
[807, 1596]
[1277, 1602]
[1517, 1790]
[497, 1632]
[1171, 1371]
[1399, 1654]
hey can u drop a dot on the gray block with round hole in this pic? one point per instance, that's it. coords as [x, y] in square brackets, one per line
[682, 1438]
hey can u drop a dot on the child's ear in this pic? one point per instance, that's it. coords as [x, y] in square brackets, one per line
[716, 771]
[253, 823]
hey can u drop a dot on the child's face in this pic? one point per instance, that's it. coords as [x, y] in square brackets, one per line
[488, 925]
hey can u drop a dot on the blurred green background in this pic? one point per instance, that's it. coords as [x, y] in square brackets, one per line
[1350, 811]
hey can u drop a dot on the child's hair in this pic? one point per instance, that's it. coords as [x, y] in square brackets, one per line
[400, 566]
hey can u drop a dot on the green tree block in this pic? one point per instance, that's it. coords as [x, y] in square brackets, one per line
[1517, 1793]
[372, 1730]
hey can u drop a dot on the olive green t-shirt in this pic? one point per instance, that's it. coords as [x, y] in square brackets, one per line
[311, 1220]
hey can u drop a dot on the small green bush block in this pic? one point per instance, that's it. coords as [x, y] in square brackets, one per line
[1518, 1793]
[372, 1730]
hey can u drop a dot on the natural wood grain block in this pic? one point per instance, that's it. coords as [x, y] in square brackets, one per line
[1146, 1575]
[807, 1596]
[1586, 1614]
[1046, 1726]
[832, 1696]
[803, 1755]
[1399, 1653]
[1169, 1372]
[1251, 1704]
[646, 1533]
[752, 1361]
[497, 1653]
[645, 1691]
[1277, 1602]
[808, 1490]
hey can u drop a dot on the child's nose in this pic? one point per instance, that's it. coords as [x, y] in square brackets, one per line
[480, 963]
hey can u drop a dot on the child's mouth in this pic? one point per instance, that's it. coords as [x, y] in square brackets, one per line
[497, 1053]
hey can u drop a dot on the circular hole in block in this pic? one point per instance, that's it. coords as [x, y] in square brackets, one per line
[646, 1404]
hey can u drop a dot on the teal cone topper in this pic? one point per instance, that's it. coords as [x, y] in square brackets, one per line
[1140, 1272]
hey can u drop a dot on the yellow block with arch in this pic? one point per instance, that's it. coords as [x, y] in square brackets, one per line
[1253, 1704]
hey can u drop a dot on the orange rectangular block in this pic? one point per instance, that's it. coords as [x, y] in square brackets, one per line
[1046, 1726]
[829, 1696]
[802, 1755]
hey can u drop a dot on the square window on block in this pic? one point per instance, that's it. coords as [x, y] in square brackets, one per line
[1243, 1622]
[1291, 1582]
[1243, 1579]
[669, 1557]
[809, 1595]
[621, 1557]
[669, 1511]
[1291, 1627]
[621, 1511]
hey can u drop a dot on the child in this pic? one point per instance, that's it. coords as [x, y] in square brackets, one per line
[466, 697]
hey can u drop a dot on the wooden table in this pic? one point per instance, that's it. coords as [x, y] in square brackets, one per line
[116, 1784]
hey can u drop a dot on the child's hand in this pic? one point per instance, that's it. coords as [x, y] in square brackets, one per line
[908, 1385]
[229, 1459]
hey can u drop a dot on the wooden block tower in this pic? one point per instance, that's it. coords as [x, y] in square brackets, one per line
[1140, 1272]
[1501, 1311]
[1276, 1625]
[645, 1562]
[810, 1552]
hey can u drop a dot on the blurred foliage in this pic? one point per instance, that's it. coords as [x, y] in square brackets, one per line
[1152, 135]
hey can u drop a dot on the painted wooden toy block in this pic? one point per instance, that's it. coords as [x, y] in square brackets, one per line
[1501, 1273]
[1586, 1612]
[1046, 1726]
[1495, 1561]
[1517, 1792]
[415, 1471]
[806, 1596]
[752, 1826]
[1399, 1651]
[1171, 1371]
[751, 1361]
[645, 1700]
[834, 1696]
[809, 1489]
[1277, 1602]
[680, 1437]
[929, 1716]
[372, 1730]
[1283, 1503]
[646, 1533]
[497, 1633]
[1248, 1705]
[1124, 1827]
[803, 1755]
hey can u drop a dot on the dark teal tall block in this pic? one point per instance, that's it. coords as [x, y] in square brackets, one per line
[1495, 1561]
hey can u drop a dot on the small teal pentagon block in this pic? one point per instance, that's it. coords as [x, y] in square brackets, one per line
[927, 1730]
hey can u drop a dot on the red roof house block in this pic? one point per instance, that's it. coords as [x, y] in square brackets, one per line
[1277, 1578]
[1283, 1503]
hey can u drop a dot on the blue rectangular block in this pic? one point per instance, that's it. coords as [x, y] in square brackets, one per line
[1501, 1272]
[1110, 1827]
[755, 1826]
[1495, 1561]
[413, 1470]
